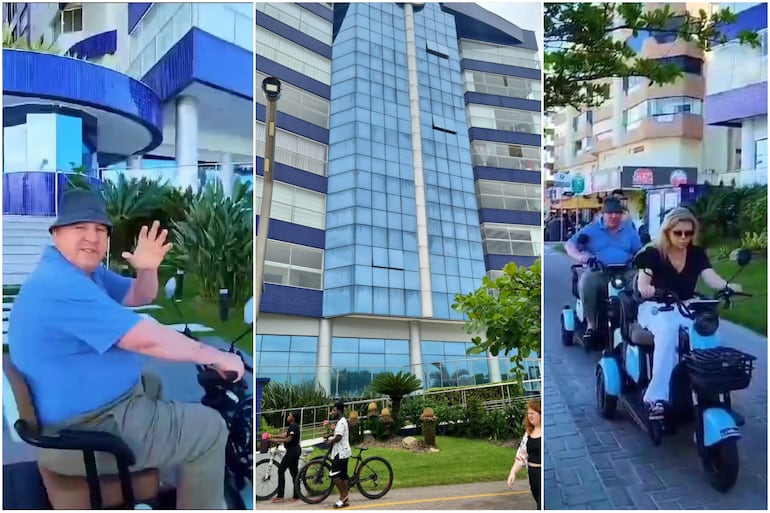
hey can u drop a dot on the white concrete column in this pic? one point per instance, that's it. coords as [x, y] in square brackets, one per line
[415, 349]
[324, 356]
[495, 376]
[186, 131]
[134, 162]
[616, 92]
[423, 251]
[226, 174]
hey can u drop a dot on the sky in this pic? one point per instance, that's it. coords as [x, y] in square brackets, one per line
[526, 15]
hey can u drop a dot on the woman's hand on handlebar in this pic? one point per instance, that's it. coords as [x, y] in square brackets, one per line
[734, 287]
[584, 257]
[646, 290]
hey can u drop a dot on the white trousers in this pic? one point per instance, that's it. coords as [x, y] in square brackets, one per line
[665, 327]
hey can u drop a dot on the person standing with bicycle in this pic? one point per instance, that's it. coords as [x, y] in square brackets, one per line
[290, 460]
[530, 450]
[340, 444]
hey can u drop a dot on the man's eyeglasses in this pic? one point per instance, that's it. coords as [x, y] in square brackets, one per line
[685, 233]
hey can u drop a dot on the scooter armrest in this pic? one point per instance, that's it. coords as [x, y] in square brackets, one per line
[78, 440]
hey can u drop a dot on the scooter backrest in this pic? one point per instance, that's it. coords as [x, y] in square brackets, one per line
[21, 393]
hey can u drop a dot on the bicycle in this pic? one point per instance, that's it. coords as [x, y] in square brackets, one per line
[267, 471]
[311, 482]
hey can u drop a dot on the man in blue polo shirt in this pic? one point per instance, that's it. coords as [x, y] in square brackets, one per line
[612, 240]
[82, 351]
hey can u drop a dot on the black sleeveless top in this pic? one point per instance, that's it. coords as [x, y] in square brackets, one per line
[533, 450]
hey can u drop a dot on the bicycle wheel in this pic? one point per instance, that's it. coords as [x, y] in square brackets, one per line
[313, 483]
[266, 484]
[374, 477]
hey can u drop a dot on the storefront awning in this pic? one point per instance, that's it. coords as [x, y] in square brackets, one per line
[576, 202]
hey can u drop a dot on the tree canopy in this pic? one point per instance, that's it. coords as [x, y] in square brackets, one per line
[584, 46]
[507, 312]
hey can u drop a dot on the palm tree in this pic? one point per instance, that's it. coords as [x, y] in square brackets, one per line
[37, 45]
[396, 386]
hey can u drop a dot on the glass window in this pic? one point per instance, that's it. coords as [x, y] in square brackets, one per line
[502, 85]
[292, 55]
[514, 240]
[301, 104]
[500, 54]
[509, 195]
[294, 150]
[294, 265]
[72, 19]
[505, 156]
[294, 204]
[299, 18]
[15, 148]
[499, 118]
[760, 154]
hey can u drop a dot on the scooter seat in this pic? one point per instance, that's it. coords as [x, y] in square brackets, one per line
[641, 336]
[71, 492]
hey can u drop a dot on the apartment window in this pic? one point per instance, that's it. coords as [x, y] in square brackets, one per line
[294, 150]
[499, 118]
[763, 42]
[508, 239]
[686, 63]
[299, 18]
[661, 107]
[505, 156]
[630, 84]
[509, 195]
[760, 154]
[301, 104]
[300, 59]
[294, 204]
[503, 85]
[499, 54]
[72, 19]
[294, 265]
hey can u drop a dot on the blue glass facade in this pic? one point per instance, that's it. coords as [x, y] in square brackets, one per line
[373, 312]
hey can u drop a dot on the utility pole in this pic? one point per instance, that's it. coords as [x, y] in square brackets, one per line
[272, 89]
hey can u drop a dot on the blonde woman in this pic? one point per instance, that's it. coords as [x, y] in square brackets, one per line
[674, 262]
[530, 450]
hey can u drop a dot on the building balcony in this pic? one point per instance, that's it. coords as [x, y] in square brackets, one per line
[689, 85]
[651, 49]
[684, 126]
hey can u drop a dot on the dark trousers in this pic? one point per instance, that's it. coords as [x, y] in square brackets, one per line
[534, 483]
[290, 461]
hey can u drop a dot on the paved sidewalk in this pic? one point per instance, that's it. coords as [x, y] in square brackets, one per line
[475, 496]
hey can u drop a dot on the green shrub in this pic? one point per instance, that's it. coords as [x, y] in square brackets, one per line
[755, 241]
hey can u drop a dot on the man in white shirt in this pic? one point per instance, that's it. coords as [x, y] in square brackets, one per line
[340, 444]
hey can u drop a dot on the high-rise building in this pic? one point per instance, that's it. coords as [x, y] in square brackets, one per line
[408, 166]
[736, 101]
[148, 88]
[657, 129]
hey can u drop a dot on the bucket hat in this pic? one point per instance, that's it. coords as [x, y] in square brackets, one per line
[81, 206]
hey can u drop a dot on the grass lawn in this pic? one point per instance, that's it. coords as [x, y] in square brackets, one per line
[202, 311]
[459, 460]
[750, 312]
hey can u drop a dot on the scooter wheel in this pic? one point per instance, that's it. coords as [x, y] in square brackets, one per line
[566, 335]
[656, 432]
[720, 462]
[607, 404]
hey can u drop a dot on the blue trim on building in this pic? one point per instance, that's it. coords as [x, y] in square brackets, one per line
[204, 58]
[282, 299]
[473, 22]
[294, 176]
[318, 9]
[284, 74]
[496, 215]
[506, 175]
[135, 13]
[500, 69]
[497, 262]
[294, 233]
[294, 35]
[753, 19]
[501, 136]
[502, 101]
[57, 78]
[296, 125]
[95, 46]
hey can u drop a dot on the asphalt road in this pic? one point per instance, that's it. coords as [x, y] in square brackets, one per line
[593, 463]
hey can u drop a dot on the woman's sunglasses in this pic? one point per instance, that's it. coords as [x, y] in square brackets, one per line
[685, 233]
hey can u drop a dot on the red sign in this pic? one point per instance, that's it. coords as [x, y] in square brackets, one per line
[644, 176]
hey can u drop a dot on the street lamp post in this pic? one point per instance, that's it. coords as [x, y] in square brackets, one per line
[272, 89]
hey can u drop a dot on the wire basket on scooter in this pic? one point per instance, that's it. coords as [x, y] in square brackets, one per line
[721, 369]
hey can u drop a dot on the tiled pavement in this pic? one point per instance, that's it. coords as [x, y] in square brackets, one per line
[592, 463]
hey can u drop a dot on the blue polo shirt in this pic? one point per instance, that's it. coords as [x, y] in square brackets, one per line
[610, 248]
[62, 334]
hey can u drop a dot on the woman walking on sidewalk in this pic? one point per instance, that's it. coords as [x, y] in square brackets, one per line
[530, 450]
